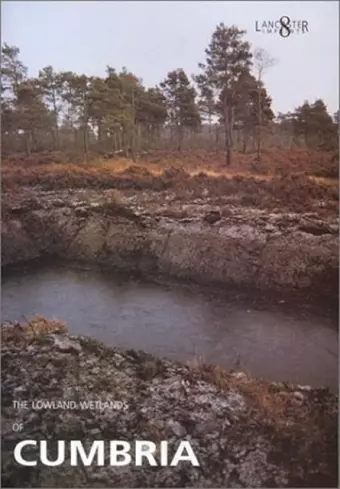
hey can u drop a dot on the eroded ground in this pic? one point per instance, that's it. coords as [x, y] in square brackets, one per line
[245, 433]
[191, 229]
[274, 227]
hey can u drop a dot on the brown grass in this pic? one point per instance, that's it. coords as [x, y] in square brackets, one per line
[263, 397]
[288, 180]
[274, 161]
[294, 192]
[32, 328]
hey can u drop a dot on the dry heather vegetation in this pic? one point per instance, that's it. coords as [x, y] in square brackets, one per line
[297, 181]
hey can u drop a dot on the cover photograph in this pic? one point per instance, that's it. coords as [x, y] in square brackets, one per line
[169, 244]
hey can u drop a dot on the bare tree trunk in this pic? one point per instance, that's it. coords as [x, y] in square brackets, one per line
[57, 136]
[138, 138]
[180, 137]
[228, 142]
[54, 142]
[28, 143]
[133, 145]
[86, 142]
[262, 62]
[228, 121]
[209, 125]
[173, 134]
[152, 136]
[55, 110]
[120, 140]
[208, 140]
[217, 137]
[114, 139]
[259, 132]
[100, 132]
[34, 141]
[245, 142]
[133, 131]
[228, 156]
[75, 137]
[125, 142]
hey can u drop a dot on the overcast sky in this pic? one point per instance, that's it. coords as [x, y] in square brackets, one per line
[153, 38]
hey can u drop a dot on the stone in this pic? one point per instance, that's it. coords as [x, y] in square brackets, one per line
[248, 247]
[239, 437]
[176, 428]
[212, 217]
[65, 344]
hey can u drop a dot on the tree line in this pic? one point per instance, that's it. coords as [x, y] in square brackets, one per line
[225, 104]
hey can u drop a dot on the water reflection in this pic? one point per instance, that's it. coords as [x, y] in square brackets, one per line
[177, 322]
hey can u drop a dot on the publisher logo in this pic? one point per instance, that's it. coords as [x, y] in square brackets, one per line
[283, 26]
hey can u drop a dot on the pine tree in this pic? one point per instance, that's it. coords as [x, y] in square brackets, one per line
[228, 57]
[33, 115]
[151, 113]
[51, 85]
[313, 122]
[249, 113]
[25, 113]
[76, 90]
[13, 73]
[180, 95]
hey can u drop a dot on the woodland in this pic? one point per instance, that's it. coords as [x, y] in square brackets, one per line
[225, 107]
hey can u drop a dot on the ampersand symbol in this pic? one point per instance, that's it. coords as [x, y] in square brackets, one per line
[285, 29]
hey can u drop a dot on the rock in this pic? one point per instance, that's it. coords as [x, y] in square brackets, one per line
[206, 427]
[299, 395]
[304, 387]
[81, 212]
[58, 203]
[248, 248]
[176, 428]
[243, 434]
[66, 345]
[212, 217]
[316, 228]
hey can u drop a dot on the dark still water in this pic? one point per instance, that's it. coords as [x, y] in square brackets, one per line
[178, 322]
